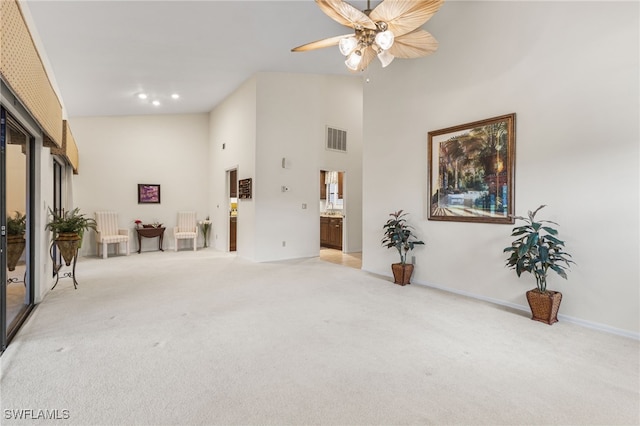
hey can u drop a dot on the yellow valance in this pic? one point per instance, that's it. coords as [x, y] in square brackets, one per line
[22, 69]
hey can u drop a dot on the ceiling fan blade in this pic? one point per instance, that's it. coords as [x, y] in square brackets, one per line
[319, 44]
[404, 16]
[345, 14]
[367, 56]
[414, 45]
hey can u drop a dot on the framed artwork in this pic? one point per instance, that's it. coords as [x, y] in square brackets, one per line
[471, 171]
[148, 193]
[244, 189]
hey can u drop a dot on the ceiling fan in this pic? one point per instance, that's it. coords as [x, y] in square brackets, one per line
[391, 30]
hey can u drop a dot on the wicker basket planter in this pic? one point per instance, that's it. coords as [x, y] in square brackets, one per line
[544, 306]
[15, 248]
[402, 273]
[68, 243]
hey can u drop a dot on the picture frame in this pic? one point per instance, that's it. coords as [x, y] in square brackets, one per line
[148, 193]
[471, 170]
[245, 189]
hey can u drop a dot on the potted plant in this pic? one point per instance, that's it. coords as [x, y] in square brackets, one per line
[68, 229]
[399, 235]
[16, 226]
[537, 250]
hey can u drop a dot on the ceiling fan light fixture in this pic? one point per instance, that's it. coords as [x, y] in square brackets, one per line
[347, 45]
[377, 29]
[385, 57]
[353, 60]
[384, 39]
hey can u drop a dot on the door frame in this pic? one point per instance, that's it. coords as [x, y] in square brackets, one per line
[344, 205]
[228, 207]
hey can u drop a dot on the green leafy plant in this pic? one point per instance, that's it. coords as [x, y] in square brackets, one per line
[71, 221]
[16, 224]
[399, 235]
[537, 250]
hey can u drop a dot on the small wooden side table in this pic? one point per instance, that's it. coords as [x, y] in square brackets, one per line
[150, 233]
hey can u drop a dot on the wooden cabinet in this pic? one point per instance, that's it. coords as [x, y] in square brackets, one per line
[340, 193]
[331, 232]
[335, 232]
[324, 231]
[233, 184]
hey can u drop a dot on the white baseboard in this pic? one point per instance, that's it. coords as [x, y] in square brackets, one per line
[584, 323]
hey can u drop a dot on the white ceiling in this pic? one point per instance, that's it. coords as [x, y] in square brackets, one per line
[103, 53]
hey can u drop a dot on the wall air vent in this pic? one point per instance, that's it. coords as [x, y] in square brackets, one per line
[336, 139]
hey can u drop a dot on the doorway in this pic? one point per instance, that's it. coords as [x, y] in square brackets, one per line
[333, 220]
[332, 203]
[232, 178]
[16, 243]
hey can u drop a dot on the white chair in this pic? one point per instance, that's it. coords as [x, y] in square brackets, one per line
[187, 229]
[109, 233]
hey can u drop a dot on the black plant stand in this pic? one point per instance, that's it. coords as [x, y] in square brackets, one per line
[57, 268]
[13, 280]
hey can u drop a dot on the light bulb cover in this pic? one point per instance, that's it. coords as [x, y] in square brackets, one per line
[384, 39]
[347, 44]
[353, 60]
[385, 58]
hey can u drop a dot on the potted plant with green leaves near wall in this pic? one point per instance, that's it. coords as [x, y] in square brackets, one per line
[399, 235]
[68, 229]
[16, 226]
[537, 250]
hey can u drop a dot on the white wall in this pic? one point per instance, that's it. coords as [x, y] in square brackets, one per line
[571, 77]
[233, 123]
[293, 112]
[118, 153]
[276, 115]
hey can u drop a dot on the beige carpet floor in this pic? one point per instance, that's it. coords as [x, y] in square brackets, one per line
[203, 338]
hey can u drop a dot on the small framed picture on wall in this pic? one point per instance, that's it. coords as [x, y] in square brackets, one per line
[148, 193]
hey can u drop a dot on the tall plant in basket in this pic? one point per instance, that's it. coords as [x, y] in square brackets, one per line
[398, 234]
[538, 250]
[67, 230]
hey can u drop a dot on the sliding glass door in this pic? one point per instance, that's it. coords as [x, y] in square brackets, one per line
[16, 242]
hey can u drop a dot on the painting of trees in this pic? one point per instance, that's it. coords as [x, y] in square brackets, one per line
[472, 170]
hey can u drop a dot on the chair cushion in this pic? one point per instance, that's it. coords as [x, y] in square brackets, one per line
[185, 234]
[113, 239]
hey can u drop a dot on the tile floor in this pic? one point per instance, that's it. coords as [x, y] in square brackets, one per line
[352, 260]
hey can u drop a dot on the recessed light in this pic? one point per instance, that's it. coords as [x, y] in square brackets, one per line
[175, 96]
[156, 103]
[142, 96]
